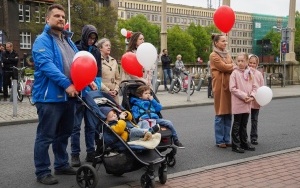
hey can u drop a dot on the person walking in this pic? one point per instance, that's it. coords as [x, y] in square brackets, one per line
[110, 76]
[221, 66]
[166, 66]
[1, 69]
[10, 58]
[53, 95]
[89, 37]
[258, 77]
[243, 88]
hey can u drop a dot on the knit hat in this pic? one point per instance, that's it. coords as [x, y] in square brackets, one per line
[105, 110]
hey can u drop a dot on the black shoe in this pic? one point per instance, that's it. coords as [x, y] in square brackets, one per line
[166, 88]
[238, 150]
[75, 161]
[66, 171]
[48, 180]
[249, 148]
[254, 142]
[154, 129]
[90, 157]
[178, 144]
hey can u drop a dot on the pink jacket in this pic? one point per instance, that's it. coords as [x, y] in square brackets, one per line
[241, 85]
[259, 79]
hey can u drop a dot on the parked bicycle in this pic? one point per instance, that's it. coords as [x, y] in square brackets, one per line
[24, 84]
[181, 82]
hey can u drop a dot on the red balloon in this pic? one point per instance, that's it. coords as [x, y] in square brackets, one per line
[131, 65]
[83, 72]
[224, 18]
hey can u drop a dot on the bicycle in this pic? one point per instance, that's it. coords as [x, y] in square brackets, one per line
[182, 83]
[24, 84]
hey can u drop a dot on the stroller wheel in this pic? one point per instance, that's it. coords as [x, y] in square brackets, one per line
[171, 160]
[147, 182]
[86, 176]
[162, 175]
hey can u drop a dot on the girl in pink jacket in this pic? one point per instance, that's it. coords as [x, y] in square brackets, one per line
[243, 88]
[258, 77]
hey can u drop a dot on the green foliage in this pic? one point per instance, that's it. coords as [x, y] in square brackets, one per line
[275, 38]
[180, 42]
[201, 41]
[297, 35]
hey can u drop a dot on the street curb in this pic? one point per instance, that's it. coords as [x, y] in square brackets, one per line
[220, 165]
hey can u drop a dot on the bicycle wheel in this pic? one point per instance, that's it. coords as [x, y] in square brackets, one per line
[30, 100]
[192, 87]
[19, 93]
[177, 86]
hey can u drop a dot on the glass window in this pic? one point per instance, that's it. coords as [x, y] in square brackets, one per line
[27, 13]
[37, 14]
[21, 13]
[25, 40]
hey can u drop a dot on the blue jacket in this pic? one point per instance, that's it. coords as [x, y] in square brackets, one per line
[50, 82]
[145, 109]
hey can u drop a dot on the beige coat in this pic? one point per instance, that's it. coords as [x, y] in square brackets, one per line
[110, 76]
[221, 69]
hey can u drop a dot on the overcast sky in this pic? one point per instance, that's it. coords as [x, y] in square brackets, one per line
[269, 7]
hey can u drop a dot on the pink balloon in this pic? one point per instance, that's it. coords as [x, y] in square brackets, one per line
[224, 18]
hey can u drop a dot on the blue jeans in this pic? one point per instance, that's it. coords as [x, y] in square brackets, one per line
[222, 128]
[167, 73]
[138, 132]
[55, 126]
[89, 131]
[168, 124]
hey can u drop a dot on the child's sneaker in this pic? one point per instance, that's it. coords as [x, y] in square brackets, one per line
[147, 136]
[178, 144]
[154, 129]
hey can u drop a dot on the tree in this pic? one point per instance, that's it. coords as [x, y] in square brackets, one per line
[201, 41]
[297, 35]
[274, 47]
[180, 42]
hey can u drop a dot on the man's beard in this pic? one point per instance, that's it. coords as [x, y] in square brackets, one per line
[57, 28]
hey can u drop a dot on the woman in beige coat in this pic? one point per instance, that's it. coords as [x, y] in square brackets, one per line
[221, 66]
[110, 71]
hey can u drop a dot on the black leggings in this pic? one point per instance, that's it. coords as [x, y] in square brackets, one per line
[239, 130]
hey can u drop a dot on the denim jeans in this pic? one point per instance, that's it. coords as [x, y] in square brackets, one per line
[55, 126]
[89, 131]
[222, 128]
[254, 120]
[167, 73]
[168, 124]
[138, 132]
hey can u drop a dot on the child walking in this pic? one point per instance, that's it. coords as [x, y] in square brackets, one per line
[147, 108]
[259, 79]
[243, 88]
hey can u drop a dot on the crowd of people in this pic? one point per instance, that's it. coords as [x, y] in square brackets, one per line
[60, 113]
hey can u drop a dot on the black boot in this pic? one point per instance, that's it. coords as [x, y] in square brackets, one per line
[238, 149]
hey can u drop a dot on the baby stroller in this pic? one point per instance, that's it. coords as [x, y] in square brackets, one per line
[117, 155]
[128, 89]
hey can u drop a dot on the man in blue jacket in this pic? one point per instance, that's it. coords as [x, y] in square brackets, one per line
[54, 96]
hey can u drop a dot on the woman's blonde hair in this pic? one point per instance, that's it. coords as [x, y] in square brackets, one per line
[178, 56]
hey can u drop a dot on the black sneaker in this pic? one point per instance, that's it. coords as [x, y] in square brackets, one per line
[48, 180]
[254, 142]
[166, 88]
[90, 157]
[75, 161]
[154, 129]
[66, 171]
[178, 144]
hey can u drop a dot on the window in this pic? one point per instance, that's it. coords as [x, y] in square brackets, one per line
[21, 13]
[25, 40]
[37, 14]
[27, 13]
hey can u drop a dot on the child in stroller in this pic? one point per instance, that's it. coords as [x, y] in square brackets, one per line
[144, 107]
[128, 90]
[117, 155]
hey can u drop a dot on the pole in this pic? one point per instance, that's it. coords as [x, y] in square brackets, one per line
[69, 14]
[284, 69]
[188, 87]
[15, 100]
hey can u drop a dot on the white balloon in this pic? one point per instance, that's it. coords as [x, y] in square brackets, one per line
[124, 32]
[146, 55]
[84, 53]
[263, 95]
